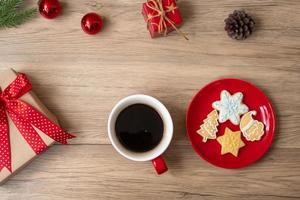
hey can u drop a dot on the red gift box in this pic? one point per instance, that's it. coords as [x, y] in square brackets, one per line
[162, 17]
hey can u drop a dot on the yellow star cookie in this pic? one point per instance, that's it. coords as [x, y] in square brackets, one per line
[231, 142]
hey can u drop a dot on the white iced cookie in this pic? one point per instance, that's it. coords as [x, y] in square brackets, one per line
[230, 107]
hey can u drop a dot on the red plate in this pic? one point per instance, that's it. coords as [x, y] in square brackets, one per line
[201, 105]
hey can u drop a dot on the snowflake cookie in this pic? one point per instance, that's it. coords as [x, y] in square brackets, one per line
[230, 107]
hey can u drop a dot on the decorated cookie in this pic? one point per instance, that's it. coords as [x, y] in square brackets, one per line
[230, 107]
[231, 142]
[209, 129]
[252, 129]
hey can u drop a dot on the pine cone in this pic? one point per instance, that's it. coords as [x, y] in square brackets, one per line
[239, 25]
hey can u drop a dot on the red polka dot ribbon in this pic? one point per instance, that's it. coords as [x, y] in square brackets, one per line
[25, 117]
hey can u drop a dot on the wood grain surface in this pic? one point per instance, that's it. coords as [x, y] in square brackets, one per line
[80, 78]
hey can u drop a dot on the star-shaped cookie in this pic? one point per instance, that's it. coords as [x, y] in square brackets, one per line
[231, 142]
[230, 107]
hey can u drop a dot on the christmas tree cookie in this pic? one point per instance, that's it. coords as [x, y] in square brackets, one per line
[230, 107]
[231, 142]
[209, 129]
[252, 129]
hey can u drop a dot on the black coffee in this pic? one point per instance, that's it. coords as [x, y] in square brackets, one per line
[139, 127]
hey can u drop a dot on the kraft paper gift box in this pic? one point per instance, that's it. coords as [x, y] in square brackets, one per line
[21, 151]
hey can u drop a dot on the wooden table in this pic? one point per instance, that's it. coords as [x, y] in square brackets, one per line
[80, 78]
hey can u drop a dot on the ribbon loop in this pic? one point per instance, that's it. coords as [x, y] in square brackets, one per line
[17, 88]
[25, 117]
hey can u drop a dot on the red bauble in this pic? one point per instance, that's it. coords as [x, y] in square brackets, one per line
[49, 8]
[91, 23]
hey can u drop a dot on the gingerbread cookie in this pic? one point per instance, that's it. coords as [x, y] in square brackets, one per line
[231, 142]
[209, 129]
[252, 129]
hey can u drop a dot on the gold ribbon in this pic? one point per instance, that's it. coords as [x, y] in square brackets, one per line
[157, 6]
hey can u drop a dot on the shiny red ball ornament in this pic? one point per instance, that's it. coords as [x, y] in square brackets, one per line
[49, 8]
[91, 23]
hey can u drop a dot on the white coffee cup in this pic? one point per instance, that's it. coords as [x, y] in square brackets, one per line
[154, 154]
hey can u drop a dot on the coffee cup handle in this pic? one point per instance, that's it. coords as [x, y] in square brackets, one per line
[159, 165]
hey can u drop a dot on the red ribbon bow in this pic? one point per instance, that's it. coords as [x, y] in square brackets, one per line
[24, 117]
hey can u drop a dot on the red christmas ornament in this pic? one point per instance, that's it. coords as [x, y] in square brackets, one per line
[49, 8]
[91, 23]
